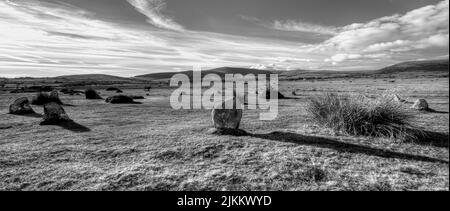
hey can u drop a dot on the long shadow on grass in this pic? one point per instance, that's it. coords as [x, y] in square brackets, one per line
[72, 126]
[33, 115]
[437, 112]
[433, 139]
[342, 146]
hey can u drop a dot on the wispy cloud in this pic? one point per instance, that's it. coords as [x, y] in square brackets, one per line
[47, 39]
[153, 10]
[293, 26]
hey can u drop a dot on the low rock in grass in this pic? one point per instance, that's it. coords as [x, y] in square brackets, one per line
[114, 89]
[91, 94]
[421, 105]
[21, 106]
[120, 99]
[54, 114]
[71, 91]
[137, 97]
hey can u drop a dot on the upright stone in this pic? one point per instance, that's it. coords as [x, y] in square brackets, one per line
[54, 113]
[91, 94]
[224, 118]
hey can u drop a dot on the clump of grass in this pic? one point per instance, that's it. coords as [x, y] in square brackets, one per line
[361, 116]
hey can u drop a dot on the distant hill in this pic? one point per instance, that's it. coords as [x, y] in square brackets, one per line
[219, 71]
[430, 66]
[93, 77]
[438, 68]
[416, 66]
[402, 70]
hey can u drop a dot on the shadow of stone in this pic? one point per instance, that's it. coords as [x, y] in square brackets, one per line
[227, 132]
[33, 115]
[4, 126]
[342, 146]
[129, 103]
[436, 112]
[432, 138]
[69, 125]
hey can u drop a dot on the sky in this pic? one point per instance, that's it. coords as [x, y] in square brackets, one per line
[44, 38]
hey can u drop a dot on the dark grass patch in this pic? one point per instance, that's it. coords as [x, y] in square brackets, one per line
[208, 152]
[360, 116]
[314, 174]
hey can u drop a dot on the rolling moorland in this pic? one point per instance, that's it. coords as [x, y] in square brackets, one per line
[150, 146]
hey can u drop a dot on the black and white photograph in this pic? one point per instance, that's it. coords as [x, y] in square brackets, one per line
[220, 96]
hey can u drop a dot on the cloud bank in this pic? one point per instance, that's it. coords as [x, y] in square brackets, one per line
[39, 38]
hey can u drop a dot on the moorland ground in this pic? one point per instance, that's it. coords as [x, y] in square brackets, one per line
[150, 146]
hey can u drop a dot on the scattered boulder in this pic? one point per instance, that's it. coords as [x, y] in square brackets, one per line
[71, 91]
[120, 99]
[136, 97]
[114, 89]
[21, 106]
[54, 114]
[33, 89]
[226, 118]
[147, 88]
[91, 94]
[421, 105]
[44, 98]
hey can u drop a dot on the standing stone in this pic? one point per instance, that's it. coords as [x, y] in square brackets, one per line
[21, 106]
[54, 114]
[227, 118]
[91, 94]
[421, 105]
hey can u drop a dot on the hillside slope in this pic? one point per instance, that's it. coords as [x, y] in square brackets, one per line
[416, 66]
[93, 77]
[219, 71]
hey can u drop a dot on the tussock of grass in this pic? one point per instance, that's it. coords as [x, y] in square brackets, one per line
[358, 115]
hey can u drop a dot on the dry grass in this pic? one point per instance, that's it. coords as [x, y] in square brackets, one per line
[362, 116]
[150, 146]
